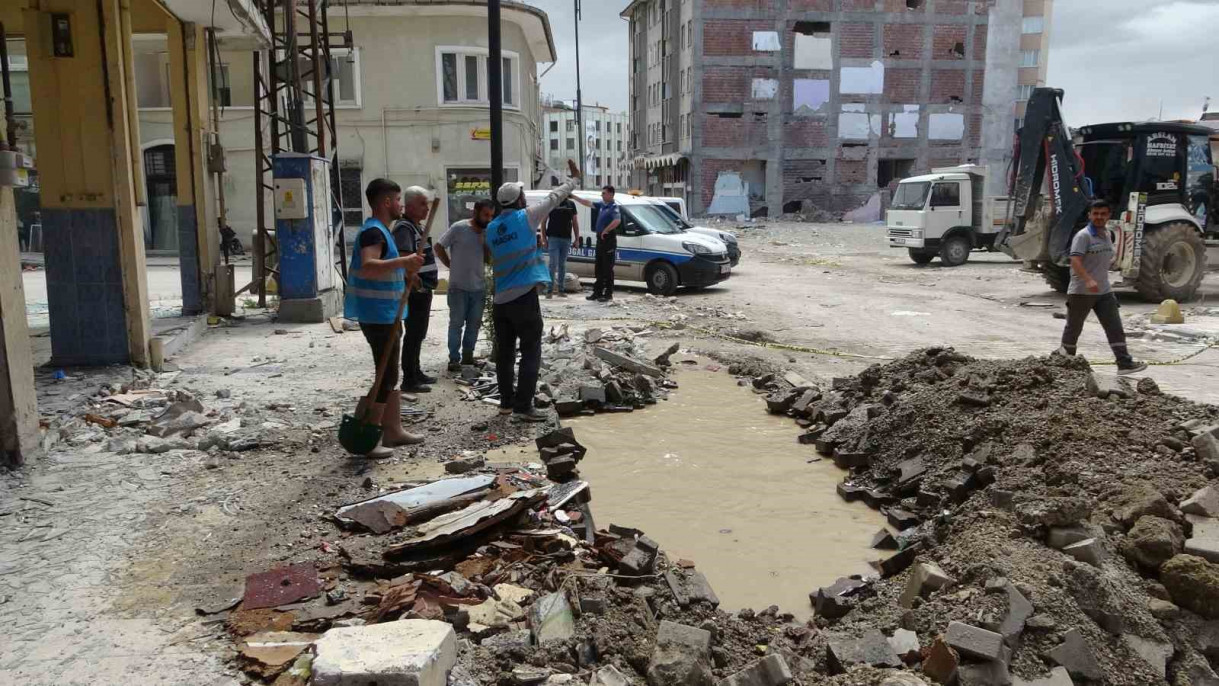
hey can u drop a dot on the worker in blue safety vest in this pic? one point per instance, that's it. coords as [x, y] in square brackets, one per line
[376, 281]
[518, 262]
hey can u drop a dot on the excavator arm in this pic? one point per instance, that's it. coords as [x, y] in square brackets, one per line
[1044, 146]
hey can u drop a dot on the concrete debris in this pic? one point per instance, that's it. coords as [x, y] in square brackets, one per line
[269, 653]
[627, 363]
[1063, 536]
[1193, 584]
[1138, 501]
[1153, 541]
[408, 652]
[1107, 385]
[905, 643]
[496, 613]
[971, 641]
[510, 640]
[835, 601]
[1088, 550]
[870, 649]
[902, 679]
[1017, 617]
[984, 674]
[608, 676]
[924, 578]
[1059, 676]
[1206, 445]
[1156, 653]
[1075, 655]
[464, 465]
[691, 586]
[682, 656]
[551, 619]
[1204, 502]
[771, 670]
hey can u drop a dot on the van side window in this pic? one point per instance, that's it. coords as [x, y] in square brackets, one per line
[946, 195]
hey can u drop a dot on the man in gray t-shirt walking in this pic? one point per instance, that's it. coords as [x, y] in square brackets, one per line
[1089, 291]
[463, 251]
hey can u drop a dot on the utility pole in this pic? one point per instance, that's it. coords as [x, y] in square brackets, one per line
[579, 97]
[495, 93]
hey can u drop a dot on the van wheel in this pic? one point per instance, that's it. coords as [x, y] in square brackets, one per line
[1059, 278]
[955, 251]
[920, 257]
[1173, 263]
[661, 278]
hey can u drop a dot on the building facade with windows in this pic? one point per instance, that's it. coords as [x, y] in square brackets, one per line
[1034, 49]
[411, 105]
[780, 106]
[606, 143]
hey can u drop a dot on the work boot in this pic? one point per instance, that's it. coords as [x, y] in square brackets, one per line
[467, 360]
[505, 411]
[605, 299]
[1062, 352]
[416, 387]
[594, 297]
[1130, 366]
[454, 367]
[532, 416]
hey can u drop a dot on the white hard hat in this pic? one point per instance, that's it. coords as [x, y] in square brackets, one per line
[510, 192]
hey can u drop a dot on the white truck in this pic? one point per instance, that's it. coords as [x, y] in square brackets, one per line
[945, 213]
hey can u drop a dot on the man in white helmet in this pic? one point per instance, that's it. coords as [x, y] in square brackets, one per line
[514, 240]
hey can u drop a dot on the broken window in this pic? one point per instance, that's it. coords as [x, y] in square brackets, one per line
[812, 45]
[946, 126]
[862, 80]
[904, 124]
[957, 51]
[810, 94]
[766, 41]
[888, 171]
[914, 4]
[725, 115]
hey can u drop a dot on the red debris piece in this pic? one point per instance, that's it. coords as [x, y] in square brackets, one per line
[280, 586]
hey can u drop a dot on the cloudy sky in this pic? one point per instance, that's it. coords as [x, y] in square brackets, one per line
[1115, 65]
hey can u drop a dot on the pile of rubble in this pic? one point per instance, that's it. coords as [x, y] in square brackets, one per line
[1052, 525]
[139, 417]
[600, 371]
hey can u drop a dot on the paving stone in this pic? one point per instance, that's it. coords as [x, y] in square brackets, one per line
[901, 519]
[870, 649]
[899, 562]
[1087, 550]
[1019, 610]
[1075, 654]
[974, 642]
[1106, 385]
[1155, 653]
[1204, 502]
[924, 578]
[771, 670]
[883, 540]
[1058, 677]
[905, 643]
[408, 652]
[836, 600]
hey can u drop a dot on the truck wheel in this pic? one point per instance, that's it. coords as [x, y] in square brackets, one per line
[1059, 278]
[1173, 263]
[661, 278]
[920, 257]
[955, 251]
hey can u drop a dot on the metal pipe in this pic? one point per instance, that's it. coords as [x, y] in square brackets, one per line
[495, 94]
[213, 61]
[579, 98]
[259, 281]
[318, 105]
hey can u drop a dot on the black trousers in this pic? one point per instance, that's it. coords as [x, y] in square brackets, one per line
[379, 336]
[419, 314]
[1107, 311]
[518, 321]
[607, 251]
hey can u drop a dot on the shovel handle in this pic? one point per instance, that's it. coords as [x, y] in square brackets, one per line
[406, 294]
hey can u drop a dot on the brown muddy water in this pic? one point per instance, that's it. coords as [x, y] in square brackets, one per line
[713, 478]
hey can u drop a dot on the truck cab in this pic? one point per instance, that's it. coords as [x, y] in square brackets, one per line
[944, 213]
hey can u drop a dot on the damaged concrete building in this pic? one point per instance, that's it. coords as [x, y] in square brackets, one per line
[766, 107]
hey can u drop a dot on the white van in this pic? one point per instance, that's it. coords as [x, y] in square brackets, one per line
[678, 205]
[653, 247]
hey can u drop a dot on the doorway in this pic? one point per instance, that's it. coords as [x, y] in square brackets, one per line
[160, 175]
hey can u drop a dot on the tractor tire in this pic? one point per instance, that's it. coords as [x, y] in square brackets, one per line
[1173, 263]
[1059, 278]
[955, 251]
[661, 278]
[920, 257]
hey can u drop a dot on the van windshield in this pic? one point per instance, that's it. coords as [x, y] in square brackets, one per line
[653, 219]
[910, 196]
[672, 212]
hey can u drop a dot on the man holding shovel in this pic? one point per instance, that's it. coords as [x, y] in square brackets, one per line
[376, 281]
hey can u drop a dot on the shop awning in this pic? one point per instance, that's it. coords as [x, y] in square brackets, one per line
[656, 161]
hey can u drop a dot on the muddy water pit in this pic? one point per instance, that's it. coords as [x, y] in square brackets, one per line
[713, 478]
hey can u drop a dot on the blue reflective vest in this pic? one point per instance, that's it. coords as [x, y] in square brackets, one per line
[374, 299]
[515, 257]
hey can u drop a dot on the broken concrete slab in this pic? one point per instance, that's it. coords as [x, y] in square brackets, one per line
[883, 540]
[496, 613]
[1105, 385]
[1087, 550]
[1063, 536]
[1205, 548]
[608, 676]
[1204, 502]
[1152, 542]
[682, 656]
[974, 642]
[924, 578]
[1155, 653]
[691, 586]
[771, 670]
[1075, 654]
[627, 363]
[872, 648]
[551, 618]
[1019, 610]
[901, 519]
[836, 600]
[1139, 500]
[268, 653]
[905, 643]
[408, 652]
